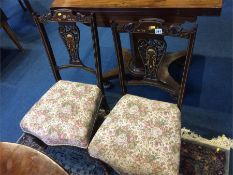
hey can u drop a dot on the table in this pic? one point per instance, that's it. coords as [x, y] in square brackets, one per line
[23, 160]
[122, 11]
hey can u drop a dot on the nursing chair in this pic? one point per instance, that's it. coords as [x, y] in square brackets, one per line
[141, 136]
[66, 113]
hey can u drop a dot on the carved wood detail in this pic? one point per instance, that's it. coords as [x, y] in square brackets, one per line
[65, 15]
[70, 35]
[157, 27]
[152, 52]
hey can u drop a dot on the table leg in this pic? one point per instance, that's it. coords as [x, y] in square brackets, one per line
[112, 74]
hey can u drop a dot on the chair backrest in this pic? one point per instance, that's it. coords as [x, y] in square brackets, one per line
[153, 51]
[70, 35]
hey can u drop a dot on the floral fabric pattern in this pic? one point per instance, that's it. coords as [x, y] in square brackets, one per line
[65, 115]
[140, 137]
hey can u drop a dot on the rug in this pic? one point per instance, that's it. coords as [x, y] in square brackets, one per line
[199, 156]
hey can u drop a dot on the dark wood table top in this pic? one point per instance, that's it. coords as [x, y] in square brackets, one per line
[138, 3]
[190, 7]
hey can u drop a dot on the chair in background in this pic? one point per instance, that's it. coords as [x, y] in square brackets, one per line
[66, 113]
[142, 136]
[4, 24]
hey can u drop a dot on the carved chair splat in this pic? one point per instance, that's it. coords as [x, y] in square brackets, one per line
[153, 52]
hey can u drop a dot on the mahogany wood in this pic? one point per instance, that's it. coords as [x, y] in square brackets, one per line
[138, 3]
[123, 11]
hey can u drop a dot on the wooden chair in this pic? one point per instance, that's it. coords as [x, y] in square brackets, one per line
[4, 24]
[142, 136]
[66, 113]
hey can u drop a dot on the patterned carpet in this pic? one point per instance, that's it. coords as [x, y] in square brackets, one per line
[196, 158]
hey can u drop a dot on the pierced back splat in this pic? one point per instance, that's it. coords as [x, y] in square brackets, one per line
[70, 35]
[152, 52]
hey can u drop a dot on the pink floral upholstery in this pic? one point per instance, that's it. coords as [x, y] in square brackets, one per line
[65, 115]
[140, 137]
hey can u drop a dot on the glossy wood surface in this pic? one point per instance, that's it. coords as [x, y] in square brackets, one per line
[16, 159]
[138, 3]
[144, 8]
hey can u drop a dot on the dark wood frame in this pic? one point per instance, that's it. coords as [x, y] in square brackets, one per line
[161, 67]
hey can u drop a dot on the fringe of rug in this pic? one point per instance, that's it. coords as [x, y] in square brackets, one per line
[221, 142]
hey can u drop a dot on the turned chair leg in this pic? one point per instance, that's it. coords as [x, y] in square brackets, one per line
[22, 5]
[11, 34]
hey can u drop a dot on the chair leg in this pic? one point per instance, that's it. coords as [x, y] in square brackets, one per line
[22, 5]
[105, 106]
[106, 168]
[11, 34]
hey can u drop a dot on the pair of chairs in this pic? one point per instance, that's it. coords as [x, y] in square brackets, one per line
[138, 136]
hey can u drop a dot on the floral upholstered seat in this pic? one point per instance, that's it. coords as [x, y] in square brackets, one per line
[65, 115]
[140, 137]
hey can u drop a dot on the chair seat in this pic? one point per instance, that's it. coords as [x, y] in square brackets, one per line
[140, 137]
[64, 115]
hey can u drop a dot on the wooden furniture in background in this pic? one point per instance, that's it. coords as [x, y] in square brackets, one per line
[4, 24]
[171, 12]
[200, 7]
[23, 160]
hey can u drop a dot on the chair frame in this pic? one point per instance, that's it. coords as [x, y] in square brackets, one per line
[70, 35]
[149, 26]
